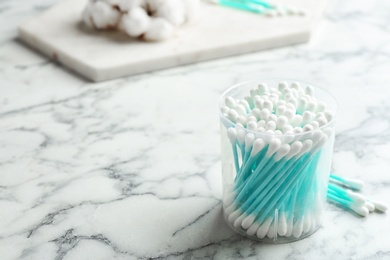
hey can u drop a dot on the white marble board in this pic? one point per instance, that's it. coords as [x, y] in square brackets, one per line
[221, 31]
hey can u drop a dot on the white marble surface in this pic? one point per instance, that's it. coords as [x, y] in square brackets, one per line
[59, 34]
[130, 168]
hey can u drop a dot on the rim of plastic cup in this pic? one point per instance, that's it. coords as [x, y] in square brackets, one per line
[315, 86]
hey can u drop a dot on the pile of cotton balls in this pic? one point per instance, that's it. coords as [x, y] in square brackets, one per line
[151, 20]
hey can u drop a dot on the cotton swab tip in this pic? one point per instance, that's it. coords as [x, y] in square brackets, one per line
[380, 206]
[355, 184]
[359, 209]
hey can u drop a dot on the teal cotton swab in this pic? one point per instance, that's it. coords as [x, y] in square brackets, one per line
[352, 183]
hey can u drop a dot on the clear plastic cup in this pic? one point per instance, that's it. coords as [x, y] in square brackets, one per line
[271, 197]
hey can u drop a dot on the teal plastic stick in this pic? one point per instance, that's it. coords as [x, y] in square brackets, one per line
[235, 155]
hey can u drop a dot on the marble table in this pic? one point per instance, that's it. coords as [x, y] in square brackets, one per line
[129, 168]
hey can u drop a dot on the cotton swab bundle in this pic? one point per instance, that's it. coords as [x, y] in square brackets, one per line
[260, 7]
[351, 200]
[277, 137]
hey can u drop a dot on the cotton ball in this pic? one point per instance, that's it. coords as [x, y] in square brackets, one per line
[104, 16]
[135, 22]
[173, 11]
[159, 29]
[152, 6]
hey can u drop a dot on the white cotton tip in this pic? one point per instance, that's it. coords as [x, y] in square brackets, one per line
[320, 143]
[274, 145]
[308, 128]
[296, 86]
[232, 115]
[295, 148]
[307, 117]
[271, 125]
[229, 198]
[358, 198]
[233, 216]
[249, 138]
[263, 229]
[287, 128]
[250, 101]
[252, 125]
[159, 29]
[251, 231]
[256, 113]
[271, 231]
[240, 110]
[271, 134]
[306, 223]
[273, 117]
[172, 11]
[298, 228]
[329, 131]
[309, 91]
[135, 22]
[240, 126]
[258, 145]
[241, 136]
[281, 122]
[301, 106]
[104, 16]
[260, 129]
[232, 134]
[262, 88]
[294, 92]
[318, 115]
[380, 206]
[259, 102]
[315, 124]
[244, 103]
[370, 206]
[282, 152]
[359, 209]
[268, 105]
[241, 120]
[355, 184]
[225, 110]
[282, 86]
[251, 118]
[278, 133]
[288, 97]
[229, 210]
[328, 115]
[296, 120]
[292, 101]
[290, 226]
[254, 92]
[282, 225]
[298, 130]
[230, 102]
[288, 137]
[321, 107]
[238, 221]
[311, 106]
[248, 221]
[289, 114]
[261, 123]
[264, 114]
[322, 121]
[281, 103]
[306, 146]
[280, 110]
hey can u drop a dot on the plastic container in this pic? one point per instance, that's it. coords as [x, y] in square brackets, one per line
[268, 196]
